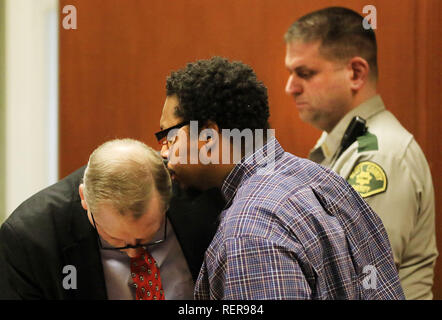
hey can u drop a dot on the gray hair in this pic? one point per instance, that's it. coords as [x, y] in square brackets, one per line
[125, 173]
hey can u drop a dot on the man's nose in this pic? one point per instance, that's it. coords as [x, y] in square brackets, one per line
[133, 253]
[164, 152]
[293, 86]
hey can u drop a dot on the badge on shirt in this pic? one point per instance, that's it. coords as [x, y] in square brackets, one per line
[368, 179]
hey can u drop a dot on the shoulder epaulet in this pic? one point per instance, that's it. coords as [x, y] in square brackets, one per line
[367, 142]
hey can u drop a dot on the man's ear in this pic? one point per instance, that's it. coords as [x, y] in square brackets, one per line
[359, 73]
[81, 192]
[210, 126]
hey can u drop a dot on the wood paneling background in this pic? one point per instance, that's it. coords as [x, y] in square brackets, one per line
[113, 68]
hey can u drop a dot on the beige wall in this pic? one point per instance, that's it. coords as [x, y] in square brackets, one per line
[28, 150]
[2, 111]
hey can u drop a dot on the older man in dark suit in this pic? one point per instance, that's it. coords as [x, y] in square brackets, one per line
[102, 233]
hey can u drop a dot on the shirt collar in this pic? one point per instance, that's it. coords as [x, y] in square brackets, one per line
[260, 159]
[329, 143]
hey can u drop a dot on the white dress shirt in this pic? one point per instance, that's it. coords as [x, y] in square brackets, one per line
[175, 274]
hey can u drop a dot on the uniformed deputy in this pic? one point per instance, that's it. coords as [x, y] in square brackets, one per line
[332, 62]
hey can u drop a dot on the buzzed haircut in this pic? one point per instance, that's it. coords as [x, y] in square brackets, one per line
[341, 35]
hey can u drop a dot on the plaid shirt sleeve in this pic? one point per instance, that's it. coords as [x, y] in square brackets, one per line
[255, 268]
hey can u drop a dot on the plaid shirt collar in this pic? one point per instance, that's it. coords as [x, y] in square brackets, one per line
[259, 160]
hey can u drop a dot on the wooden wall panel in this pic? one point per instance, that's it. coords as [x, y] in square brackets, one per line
[428, 105]
[113, 67]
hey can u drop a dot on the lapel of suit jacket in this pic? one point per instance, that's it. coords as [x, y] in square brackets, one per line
[80, 248]
[195, 221]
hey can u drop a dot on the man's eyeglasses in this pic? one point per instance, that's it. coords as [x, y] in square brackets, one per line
[141, 245]
[162, 135]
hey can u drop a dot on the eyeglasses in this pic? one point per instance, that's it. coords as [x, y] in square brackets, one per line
[141, 245]
[162, 136]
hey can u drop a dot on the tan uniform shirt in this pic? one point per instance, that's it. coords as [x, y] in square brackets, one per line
[389, 170]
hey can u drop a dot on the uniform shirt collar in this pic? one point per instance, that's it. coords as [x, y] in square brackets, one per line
[329, 143]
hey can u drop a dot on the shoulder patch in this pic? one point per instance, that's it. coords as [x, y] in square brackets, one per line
[367, 142]
[368, 179]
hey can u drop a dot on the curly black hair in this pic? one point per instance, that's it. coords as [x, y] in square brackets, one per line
[227, 93]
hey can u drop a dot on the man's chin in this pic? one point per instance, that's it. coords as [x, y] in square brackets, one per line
[308, 117]
[305, 115]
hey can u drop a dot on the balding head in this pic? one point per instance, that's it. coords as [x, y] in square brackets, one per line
[125, 174]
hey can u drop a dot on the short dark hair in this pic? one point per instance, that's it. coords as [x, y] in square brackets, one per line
[227, 93]
[340, 32]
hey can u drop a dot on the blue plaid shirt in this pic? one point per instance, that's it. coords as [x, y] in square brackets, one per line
[295, 230]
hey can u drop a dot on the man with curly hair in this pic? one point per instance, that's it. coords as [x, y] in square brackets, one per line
[289, 230]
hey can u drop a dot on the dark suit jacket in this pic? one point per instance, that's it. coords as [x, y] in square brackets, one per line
[51, 230]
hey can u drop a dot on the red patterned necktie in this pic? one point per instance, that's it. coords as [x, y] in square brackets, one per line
[146, 276]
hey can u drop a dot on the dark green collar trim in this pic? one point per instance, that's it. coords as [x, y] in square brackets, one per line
[367, 142]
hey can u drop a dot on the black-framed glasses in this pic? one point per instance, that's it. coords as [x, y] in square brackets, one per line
[140, 245]
[162, 135]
